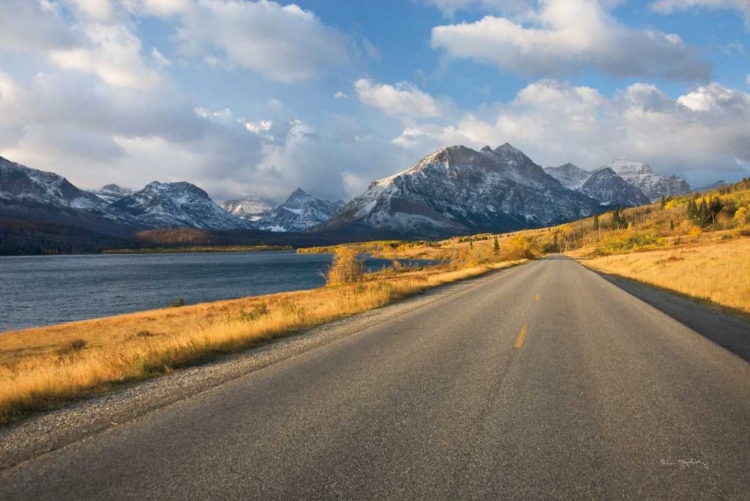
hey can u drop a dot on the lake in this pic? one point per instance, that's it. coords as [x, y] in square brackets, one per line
[43, 290]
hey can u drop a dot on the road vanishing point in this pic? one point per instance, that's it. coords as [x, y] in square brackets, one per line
[542, 381]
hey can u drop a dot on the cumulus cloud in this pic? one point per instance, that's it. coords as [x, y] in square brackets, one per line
[113, 53]
[33, 26]
[334, 159]
[97, 10]
[697, 135]
[402, 99]
[569, 36]
[95, 134]
[284, 44]
[90, 37]
[669, 6]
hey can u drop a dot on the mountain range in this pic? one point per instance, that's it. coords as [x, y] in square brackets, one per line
[31, 194]
[603, 185]
[460, 190]
[455, 190]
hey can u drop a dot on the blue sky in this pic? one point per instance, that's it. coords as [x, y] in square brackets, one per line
[261, 97]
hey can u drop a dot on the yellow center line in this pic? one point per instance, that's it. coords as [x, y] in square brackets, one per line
[537, 297]
[522, 336]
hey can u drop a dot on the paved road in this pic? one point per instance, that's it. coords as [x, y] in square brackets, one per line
[546, 381]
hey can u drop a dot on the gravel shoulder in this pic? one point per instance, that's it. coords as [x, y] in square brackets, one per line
[43, 433]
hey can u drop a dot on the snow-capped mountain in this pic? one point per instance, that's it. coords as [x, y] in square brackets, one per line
[603, 185]
[249, 207]
[175, 205]
[299, 212]
[652, 185]
[22, 184]
[610, 189]
[111, 193]
[459, 190]
[569, 175]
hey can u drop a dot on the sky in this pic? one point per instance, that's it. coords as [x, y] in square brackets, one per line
[259, 97]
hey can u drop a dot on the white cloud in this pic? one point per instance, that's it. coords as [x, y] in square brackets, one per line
[33, 26]
[95, 134]
[284, 44]
[403, 99]
[95, 10]
[570, 36]
[697, 134]
[669, 6]
[113, 53]
[159, 60]
[340, 95]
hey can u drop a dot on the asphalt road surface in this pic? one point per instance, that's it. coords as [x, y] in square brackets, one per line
[545, 381]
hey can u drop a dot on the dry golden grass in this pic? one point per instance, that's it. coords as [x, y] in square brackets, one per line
[718, 272]
[45, 367]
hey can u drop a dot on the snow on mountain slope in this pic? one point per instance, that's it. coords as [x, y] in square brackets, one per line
[175, 205]
[299, 212]
[569, 175]
[611, 190]
[249, 208]
[460, 190]
[652, 185]
[111, 193]
[23, 184]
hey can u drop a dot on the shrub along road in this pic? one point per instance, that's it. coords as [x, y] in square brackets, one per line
[543, 381]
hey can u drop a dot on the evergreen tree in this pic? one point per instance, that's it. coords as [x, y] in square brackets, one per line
[715, 207]
[663, 201]
[496, 246]
[692, 209]
[671, 225]
[596, 222]
[704, 215]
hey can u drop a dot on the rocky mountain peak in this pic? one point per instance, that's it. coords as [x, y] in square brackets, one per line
[299, 212]
[20, 182]
[459, 190]
[569, 175]
[508, 148]
[175, 205]
[642, 176]
[115, 188]
[605, 186]
[248, 207]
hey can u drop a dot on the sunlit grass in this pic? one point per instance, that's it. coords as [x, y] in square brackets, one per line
[718, 272]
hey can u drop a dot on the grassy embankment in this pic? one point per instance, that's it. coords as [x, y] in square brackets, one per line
[698, 249]
[43, 368]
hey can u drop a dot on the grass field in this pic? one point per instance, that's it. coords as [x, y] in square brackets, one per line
[717, 272]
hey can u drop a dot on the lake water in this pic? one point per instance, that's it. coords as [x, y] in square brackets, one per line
[43, 290]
